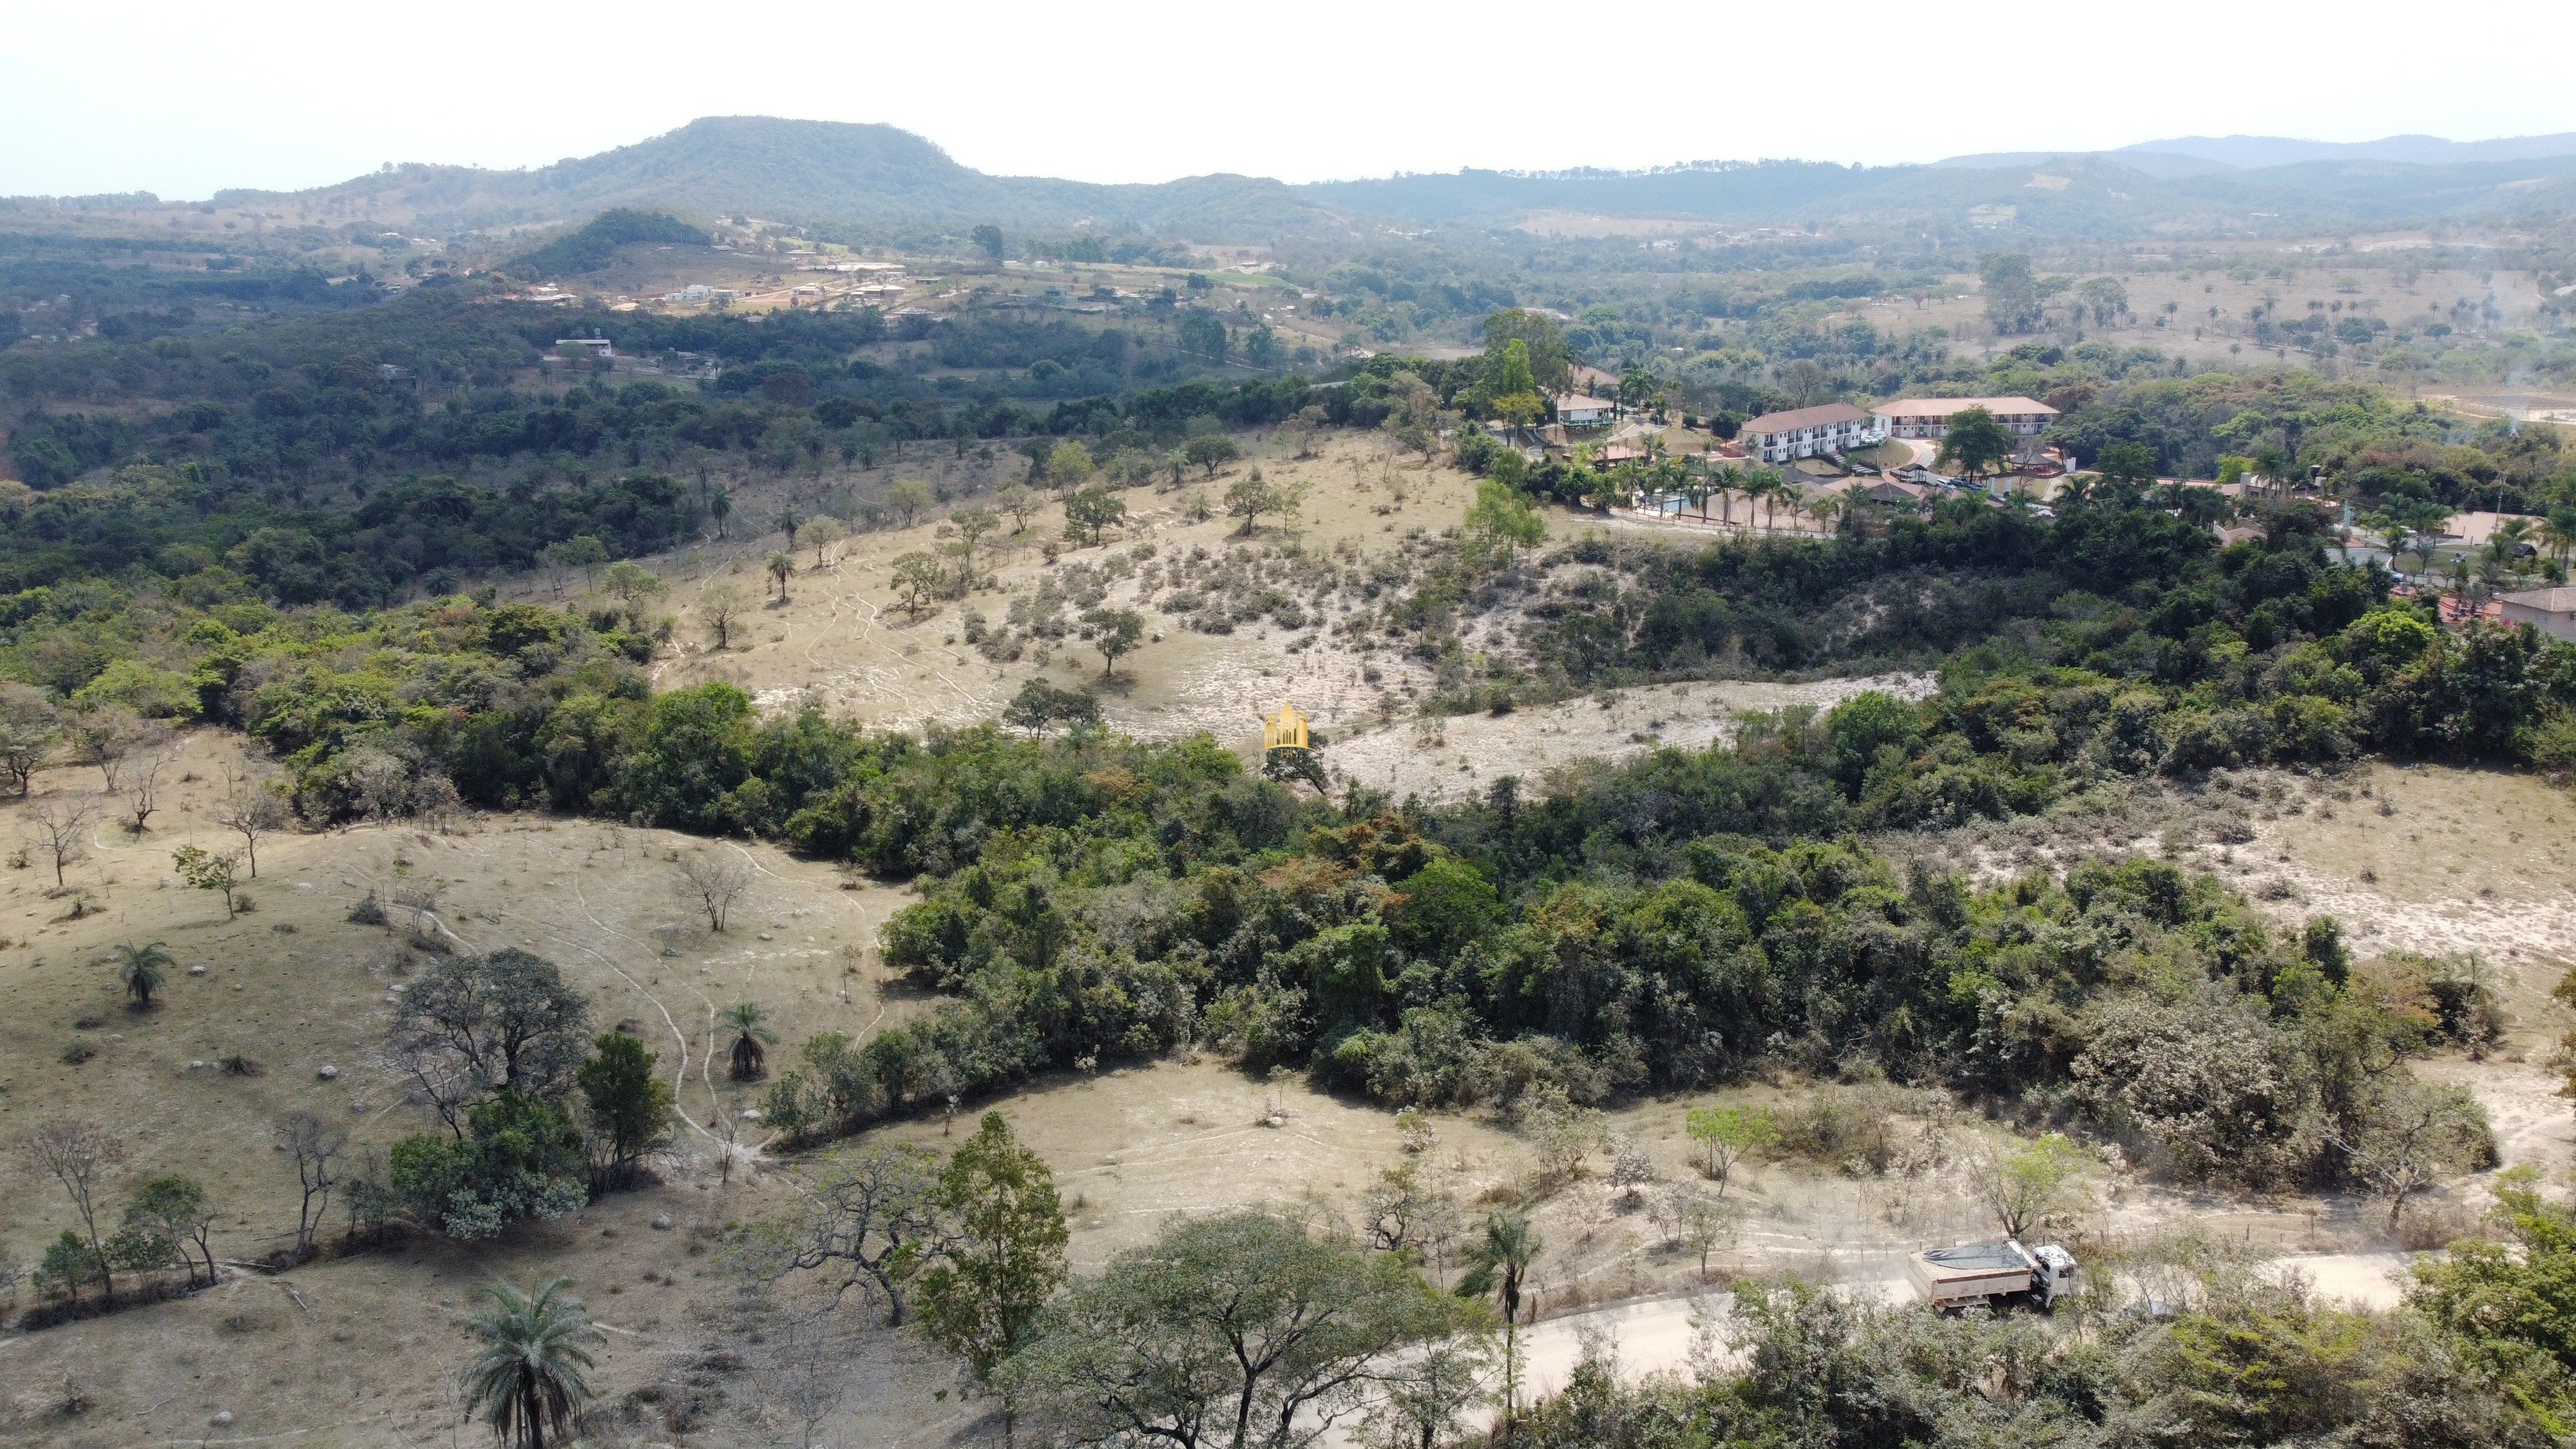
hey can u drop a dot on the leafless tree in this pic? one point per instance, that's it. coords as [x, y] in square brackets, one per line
[1700, 1221]
[422, 901]
[103, 737]
[317, 1148]
[806, 1370]
[2413, 1135]
[434, 799]
[150, 758]
[873, 1215]
[1631, 1167]
[719, 878]
[79, 1156]
[367, 1197]
[721, 607]
[252, 806]
[61, 824]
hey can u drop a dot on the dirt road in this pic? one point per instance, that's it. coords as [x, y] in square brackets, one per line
[1657, 1335]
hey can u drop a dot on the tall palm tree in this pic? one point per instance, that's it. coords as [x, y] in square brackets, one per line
[2559, 533]
[2511, 537]
[141, 968]
[1795, 495]
[781, 565]
[1498, 1261]
[750, 1023]
[1760, 487]
[528, 1380]
[2397, 533]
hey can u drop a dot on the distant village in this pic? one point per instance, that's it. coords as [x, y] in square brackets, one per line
[1805, 467]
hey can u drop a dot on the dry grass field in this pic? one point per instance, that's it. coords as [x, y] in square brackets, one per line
[1130, 1146]
[2220, 341]
[843, 638]
[361, 1350]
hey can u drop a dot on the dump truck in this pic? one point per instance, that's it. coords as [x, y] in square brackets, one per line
[1992, 1275]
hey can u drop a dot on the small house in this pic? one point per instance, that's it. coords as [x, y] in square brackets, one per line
[2551, 611]
[1578, 411]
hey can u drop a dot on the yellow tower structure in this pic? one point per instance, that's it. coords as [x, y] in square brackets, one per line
[1285, 730]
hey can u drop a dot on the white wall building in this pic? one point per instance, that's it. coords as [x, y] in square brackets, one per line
[1577, 411]
[1808, 432]
[1929, 417]
[2551, 611]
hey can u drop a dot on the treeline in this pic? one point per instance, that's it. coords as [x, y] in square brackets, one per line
[341, 490]
[425, 382]
[2373, 449]
[2117, 638]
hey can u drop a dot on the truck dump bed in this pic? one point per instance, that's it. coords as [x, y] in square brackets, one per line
[1947, 1277]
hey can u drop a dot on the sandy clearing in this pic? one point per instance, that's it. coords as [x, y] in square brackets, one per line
[1463, 754]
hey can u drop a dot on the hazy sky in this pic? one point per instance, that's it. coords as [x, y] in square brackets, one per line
[183, 98]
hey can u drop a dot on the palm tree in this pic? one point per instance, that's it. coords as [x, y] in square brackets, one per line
[1795, 495]
[141, 968]
[751, 1028]
[528, 1378]
[1761, 487]
[2424, 549]
[2395, 532]
[2559, 532]
[782, 564]
[2511, 537]
[1498, 1261]
[1828, 507]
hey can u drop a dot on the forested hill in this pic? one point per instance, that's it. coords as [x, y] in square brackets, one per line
[2112, 195]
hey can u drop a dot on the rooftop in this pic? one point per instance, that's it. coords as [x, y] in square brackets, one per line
[2547, 601]
[1942, 407]
[1796, 418]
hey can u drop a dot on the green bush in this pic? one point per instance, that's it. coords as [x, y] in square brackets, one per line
[521, 1157]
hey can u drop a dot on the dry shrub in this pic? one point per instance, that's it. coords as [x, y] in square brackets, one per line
[2429, 1226]
[1859, 1130]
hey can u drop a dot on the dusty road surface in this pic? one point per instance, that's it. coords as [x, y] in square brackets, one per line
[1662, 1335]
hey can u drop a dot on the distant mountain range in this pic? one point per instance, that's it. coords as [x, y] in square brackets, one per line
[2201, 155]
[808, 171]
[881, 177]
[2254, 152]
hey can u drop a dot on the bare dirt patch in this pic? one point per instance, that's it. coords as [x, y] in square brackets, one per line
[1464, 754]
